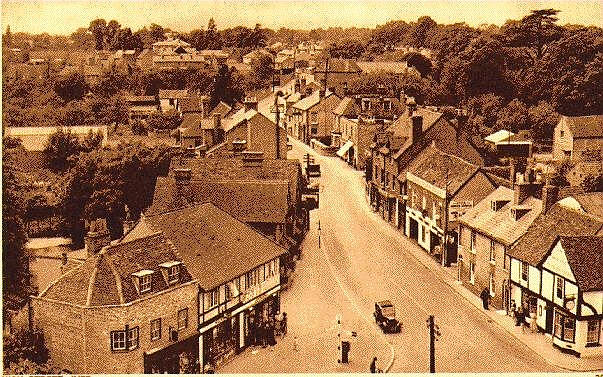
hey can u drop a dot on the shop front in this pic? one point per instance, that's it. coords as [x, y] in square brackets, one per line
[180, 357]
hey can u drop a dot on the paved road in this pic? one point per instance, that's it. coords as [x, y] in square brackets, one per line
[373, 262]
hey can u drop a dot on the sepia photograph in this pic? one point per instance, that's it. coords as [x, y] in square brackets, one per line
[302, 187]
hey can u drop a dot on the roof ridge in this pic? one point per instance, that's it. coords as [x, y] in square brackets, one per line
[118, 285]
[54, 282]
[91, 280]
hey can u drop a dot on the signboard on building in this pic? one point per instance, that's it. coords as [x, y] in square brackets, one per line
[458, 209]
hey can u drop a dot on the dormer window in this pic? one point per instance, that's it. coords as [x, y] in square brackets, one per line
[366, 104]
[143, 280]
[171, 271]
[387, 105]
[517, 213]
[495, 205]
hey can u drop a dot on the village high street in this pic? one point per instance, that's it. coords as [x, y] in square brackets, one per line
[374, 262]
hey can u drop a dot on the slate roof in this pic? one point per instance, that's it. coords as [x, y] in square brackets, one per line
[499, 224]
[590, 126]
[173, 93]
[339, 66]
[585, 257]
[437, 168]
[247, 200]
[214, 246]
[105, 278]
[543, 232]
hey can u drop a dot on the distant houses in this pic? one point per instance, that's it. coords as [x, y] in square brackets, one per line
[35, 139]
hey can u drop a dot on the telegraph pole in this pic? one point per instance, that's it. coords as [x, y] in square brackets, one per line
[434, 333]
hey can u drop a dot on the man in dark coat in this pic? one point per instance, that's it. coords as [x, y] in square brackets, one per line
[374, 365]
[485, 296]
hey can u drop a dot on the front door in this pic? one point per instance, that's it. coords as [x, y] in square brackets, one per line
[549, 320]
[414, 229]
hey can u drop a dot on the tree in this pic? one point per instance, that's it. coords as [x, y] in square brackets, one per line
[592, 183]
[82, 38]
[513, 117]
[263, 68]
[169, 120]
[97, 28]
[225, 87]
[420, 30]
[7, 38]
[420, 62]
[483, 111]
[347, 49]
[71, 87]
[110, 34]
[107, 203]
[25, 353]
[212, 38]
[534, 30]
[16, 276]
[543, 119]
[157, 33]
[60, 146]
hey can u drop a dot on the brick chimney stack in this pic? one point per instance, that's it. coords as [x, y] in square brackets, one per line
[250, 103]
[417, 128]
[97, 237]
[550, 195]
[183, 178]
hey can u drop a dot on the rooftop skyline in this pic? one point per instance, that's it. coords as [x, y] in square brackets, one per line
[41, 16]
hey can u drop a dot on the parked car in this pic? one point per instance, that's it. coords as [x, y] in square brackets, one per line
[385, 316]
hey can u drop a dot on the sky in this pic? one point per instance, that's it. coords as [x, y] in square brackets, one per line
[64, 17]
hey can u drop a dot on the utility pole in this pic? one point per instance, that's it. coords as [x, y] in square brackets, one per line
[326, 74]
[434, 333]
[278, 119]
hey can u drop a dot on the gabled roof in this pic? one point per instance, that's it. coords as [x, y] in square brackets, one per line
[214, 246]
[105, 278]
[173, 93]
[499, 224]
[585, 126]
[192, 104]
[437, 168]
[251, 201]
[543, 232]
[592, 203]
[585, 257]
[347, 106]
[402, 127]
[171, 42]
[498, 136]
[339, 66]
[221, 108]
[312, 100]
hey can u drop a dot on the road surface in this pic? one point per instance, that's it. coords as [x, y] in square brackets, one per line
[373, 262]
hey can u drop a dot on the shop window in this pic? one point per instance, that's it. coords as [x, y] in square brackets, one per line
[156, 329]
[593, 332]
[559, 283]
[182, 319]
[564, 327]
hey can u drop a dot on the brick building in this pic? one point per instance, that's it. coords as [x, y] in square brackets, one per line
[237, 270]
[439, 189]
[129, 308]
[579, 138]
[312, 116]
[488, 230]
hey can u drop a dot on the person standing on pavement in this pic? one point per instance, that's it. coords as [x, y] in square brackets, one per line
[374, 365]
[485, 296]
[284, 324]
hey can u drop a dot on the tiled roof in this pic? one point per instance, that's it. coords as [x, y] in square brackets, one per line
[402, 127]
[105, 278]
[311, 100]
[339, 66]
[346, 106]
[191, 104]
[592, 203]
[585, 257]
[263, 201]
[173, 93]
[559, 220]
[437, 168]
[499, 224]
[191, 121]
[222, 108]
[586, 126]
[214, 246]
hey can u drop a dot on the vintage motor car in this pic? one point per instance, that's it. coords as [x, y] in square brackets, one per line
[385, 316]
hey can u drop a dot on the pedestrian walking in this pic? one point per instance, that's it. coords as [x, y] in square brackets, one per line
[485, 296]
[295, 343]
[284, 324]
[270, 335]
[373, 366]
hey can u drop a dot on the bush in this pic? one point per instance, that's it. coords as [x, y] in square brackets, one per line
[25, 352]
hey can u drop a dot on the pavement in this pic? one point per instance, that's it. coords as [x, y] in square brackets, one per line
[362, 260]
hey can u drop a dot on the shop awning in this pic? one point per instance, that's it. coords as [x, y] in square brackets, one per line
[345, 148]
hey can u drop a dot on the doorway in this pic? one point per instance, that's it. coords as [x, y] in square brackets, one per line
[414, 229]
